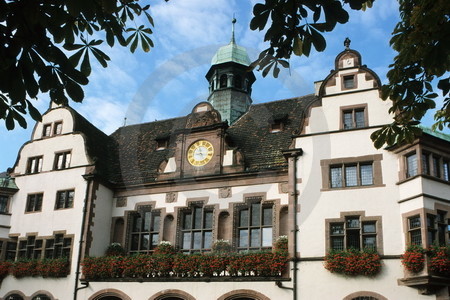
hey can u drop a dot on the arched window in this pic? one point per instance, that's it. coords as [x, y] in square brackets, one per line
[110, 298]
[223, 81]
[365, 298]
[238, 82]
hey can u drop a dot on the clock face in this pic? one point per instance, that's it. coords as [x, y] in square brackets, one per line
[200, 153]
[348, 62]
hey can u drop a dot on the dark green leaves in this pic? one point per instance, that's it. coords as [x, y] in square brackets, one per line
[31, 61]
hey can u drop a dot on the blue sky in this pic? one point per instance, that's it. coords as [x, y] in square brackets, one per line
[169, 80]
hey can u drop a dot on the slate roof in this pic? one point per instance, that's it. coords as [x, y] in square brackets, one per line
[136, 159]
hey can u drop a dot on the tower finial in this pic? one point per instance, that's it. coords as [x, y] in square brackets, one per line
[347, 43]
[233, 21]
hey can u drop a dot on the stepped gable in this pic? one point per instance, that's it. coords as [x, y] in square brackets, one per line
[252, 135]
[136, 156]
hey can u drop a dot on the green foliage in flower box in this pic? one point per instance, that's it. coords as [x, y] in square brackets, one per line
[414, 258]
[353, 262]
[5, 267]
[440, 260]
[53, 268]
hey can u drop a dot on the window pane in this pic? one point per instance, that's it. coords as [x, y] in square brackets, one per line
[187, 221]
[256, 214]
[411, 162]
[208, 219]
[337, 243]
[145, 241]
[243, 218]
[350, 176]
[425, 164]
[267, 237]
[369, 227]
[267, 219]
[359, 119]
[366, 175]
[349, 82]
[370, 242]
[353, 222]
[137, 223]
[243, 238]
[70, 198]
[337, 228]
[353, 239]
[198, 218]
[187, 240]
[348, 120]
[67, 162]
[436, 169]
[414, 222]
[207, 239]
[255, 235]
[336, 177]
[446, 170]
[155, 240]
[197, 240]
[156, 221]
[147, 219]
[416, 237]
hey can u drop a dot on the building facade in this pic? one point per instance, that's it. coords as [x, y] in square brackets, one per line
[304, 168]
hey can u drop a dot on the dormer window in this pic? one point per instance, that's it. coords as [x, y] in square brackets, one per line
[349, 82]
[34, 165]
[278, 123]
[161, 144]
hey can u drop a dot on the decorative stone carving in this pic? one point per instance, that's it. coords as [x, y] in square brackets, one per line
[121, 201]
[283, 187]
[225, 192]
[171, 197]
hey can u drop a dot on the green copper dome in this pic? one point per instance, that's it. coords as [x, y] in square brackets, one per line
[231, 53]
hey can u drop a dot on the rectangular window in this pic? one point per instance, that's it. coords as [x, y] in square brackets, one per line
[411, 165]
[47, 130]
[425, 163]
[57, 129]
[145, 225]
[64, 199]
[255, 226]
[441, 227]
[359, 174]
[11, 248]
[196, 230]
[30, 248]
[354, 118]
[353, 233]
[62, 160]
[34, 202]
[415, 234]
[58, 246]
[4, 204]
[34, 165]
[349, 81]
[436, 166]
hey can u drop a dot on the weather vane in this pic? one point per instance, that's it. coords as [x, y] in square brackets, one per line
[347, 43]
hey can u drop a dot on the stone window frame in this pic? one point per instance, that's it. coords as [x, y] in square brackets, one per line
[362, 218]
[355, 295]
[423, 213]
[375, 159]
[66, 156]
[431, 152]
[141, 209]
[237, 207]
[190, 205]
[41, 252]
[67, 204]
[353, 109]
[34, 164]
[355, 81]
[15, 293]
[34, 209]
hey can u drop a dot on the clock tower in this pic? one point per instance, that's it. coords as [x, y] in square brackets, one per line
[230, 81]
